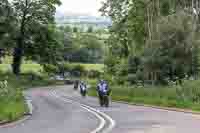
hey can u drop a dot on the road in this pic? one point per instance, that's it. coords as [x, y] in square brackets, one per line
[62, 110]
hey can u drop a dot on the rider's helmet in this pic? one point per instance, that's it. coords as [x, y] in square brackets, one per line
[101, 81]
[82, 82]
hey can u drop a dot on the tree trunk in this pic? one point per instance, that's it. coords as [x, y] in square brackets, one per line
[17, 59]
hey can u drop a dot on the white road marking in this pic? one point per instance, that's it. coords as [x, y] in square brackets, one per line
[30, 105]
[94, 111]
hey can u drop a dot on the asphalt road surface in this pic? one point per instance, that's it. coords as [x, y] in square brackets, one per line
[62, 110]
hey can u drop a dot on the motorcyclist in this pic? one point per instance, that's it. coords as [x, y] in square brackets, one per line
[83, 89]
[102, 89]
[76, 84]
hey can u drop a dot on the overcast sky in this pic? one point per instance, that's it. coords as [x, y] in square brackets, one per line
[89, 7]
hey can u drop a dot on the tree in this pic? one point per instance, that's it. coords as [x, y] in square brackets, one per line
[128, 24]
[68, 29]
[7, 23]
[90, 29]
[33, 18]
[162, 33]
[75, 29]
[86, 48]
[45, 47]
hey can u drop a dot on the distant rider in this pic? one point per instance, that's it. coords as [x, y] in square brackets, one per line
[83, 88]
[76, 84]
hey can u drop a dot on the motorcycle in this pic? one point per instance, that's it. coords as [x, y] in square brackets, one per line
[83, 90]
[104, 99]
[76, 84]
[83, 93]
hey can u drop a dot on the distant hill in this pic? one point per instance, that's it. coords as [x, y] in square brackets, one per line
[63, 18]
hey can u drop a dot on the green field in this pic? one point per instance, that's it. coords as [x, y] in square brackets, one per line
[25, 68]
[38, 68]
[97, 67]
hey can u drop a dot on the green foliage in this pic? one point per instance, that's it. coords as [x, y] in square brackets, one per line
[158, 38]
[128, 29]
[11, 102]
[7, 24]
[134, 64]
[68, 29]
[90, 29]
[165, 8]
[29, 30]
[50, 69]
[174, 52]
[11, 99]
[110, 62]
[67, 67]
[85, 49]
[75, 29]
[78, 68]
[93, 74]
[186, 96]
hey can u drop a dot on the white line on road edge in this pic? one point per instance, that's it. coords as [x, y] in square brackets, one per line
[96, 113]
[102, 120]
[30, 105]
[106, 116]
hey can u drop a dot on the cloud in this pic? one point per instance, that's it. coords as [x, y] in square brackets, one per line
[89, 7]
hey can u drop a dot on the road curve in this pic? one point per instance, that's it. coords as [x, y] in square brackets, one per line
[61, 110]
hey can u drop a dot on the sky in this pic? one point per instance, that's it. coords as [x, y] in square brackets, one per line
[88, 7]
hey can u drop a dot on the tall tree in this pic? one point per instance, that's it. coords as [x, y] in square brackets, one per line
[128, 24]
[33, 18]
[90, 29]
[6, 22]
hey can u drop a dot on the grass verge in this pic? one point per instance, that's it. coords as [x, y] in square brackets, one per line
[12, 103]
[183, 97]
[12, 110]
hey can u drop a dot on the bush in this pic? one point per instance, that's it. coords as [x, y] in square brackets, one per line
[94, 74]
[110, 79]
[77, 70]
[134, 64]
[63, 68]
[132, 78]
[191, 91]
[67, 67]
[32, 76]
[50, 69]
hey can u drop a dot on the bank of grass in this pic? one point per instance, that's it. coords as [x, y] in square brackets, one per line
[13, 106]
[12, 109]
[185, 97]
[26, 68]
[33, 67]
[89, 67]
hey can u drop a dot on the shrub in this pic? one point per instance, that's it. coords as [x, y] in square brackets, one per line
[77, 70]
[63, 68]
[191, 91]
[4, 91]
[110, 79]
[50, 69]
[132, 78]
[94, 74]
[67, 67]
